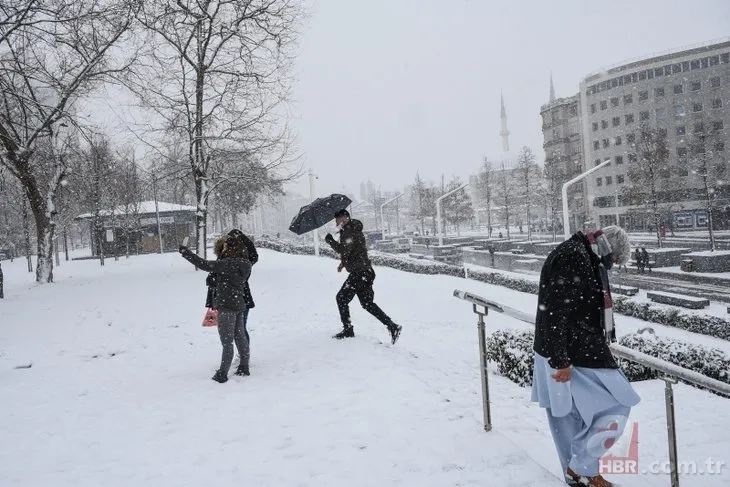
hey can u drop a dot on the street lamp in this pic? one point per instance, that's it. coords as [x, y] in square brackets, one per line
[315, 234]
[438, 211]
[382, 217]
[566, 221]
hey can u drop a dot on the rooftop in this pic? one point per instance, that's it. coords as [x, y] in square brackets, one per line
[143, 207]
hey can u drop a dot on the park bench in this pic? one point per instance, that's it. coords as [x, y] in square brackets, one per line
[678, 300]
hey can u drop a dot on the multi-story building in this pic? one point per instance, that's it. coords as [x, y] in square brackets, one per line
[561, 127]
[678, 93]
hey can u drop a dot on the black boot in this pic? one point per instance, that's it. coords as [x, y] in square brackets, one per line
[242, 370]
[347, 332]
[220, 377]
[394, 332]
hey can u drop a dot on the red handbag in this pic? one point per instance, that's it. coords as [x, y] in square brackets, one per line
[211, 317]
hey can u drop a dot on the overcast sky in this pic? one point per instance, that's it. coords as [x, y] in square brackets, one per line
[389, 87]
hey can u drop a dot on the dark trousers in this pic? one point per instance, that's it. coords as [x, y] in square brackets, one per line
[230, 330]
[360, 284]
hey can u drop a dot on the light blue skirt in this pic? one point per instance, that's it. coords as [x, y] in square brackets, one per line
[591, 390]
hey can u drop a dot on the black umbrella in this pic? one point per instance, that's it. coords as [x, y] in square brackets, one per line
[319, 212]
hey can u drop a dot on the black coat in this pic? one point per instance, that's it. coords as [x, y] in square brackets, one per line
[232, 275]
[211, 280]
[352, 247]
[569, 325]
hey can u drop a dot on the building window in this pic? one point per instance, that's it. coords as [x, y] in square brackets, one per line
[632, 158]
[614, 101]
[718, 125]
[661, 113]
[595, 126]
[683, 172]
[604, 124]
[620, 179]
[720, 146]
[725, 58]
[606, 143]
[678, 89]
[597, 162]
[715, 82]
[593, 108]
[596, 145]
[619, 159]
[697, 107]
[617, 140]
[631, 138]
[699, 127]
[573, 111]
[599, 181]
[642, 75]
[658, 92]
[658, 72]
[604, 105]
[628, 99]
[616, 121]
[696, 85]
[629, 118]
[717, 103]
[681, 130]
[643, 95]
[679, 110]
[609, 180]
[643, 116]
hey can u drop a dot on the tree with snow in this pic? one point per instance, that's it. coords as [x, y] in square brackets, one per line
[217, 73]
[458, 207]
[528, 177]
[52, 53]
[487, 184]
[706, 162]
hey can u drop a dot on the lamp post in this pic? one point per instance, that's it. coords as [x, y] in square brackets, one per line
[438, 211]
[315, 234]
[382, 215]
[566, 221]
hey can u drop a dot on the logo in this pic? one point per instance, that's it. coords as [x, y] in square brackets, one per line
[618, 453]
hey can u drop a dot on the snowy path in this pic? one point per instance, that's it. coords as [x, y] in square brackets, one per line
[120, 394]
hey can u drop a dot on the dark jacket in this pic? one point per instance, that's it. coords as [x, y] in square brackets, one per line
[232, 274]
[352, 247]
[569, 325]
[211, 280]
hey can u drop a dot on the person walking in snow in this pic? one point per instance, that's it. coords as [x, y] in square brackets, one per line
[253, 257]
[576, 378]
[232, 270]
[354, 258]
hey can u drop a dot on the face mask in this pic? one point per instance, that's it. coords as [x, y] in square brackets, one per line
[339, 227]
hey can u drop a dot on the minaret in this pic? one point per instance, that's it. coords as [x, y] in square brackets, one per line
[504, 133]
[552, 88]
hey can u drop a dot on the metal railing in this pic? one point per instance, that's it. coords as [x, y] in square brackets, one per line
[670, 373]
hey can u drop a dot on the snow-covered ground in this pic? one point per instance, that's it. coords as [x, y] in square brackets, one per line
[119, 391]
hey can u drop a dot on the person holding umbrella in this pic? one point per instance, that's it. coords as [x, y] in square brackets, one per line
[354, 258]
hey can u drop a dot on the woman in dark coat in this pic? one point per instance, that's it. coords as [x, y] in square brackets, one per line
[232, 271]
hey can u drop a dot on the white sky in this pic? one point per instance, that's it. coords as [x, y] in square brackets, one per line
[386, 88]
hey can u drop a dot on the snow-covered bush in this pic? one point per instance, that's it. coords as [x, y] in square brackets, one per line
[706, 325]
[511, 351]
[711, 362]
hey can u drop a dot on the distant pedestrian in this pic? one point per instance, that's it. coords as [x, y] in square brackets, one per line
[645, 258]
[639, 260]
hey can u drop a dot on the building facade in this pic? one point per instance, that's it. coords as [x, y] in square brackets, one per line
[679, 94]
[561, 128]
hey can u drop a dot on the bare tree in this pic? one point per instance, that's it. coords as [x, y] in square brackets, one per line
[457, 207]
[705, 161]
[528, 174]
[554, 179]
[217, 74]
[505, 181]
[52, 52]
[649, 173]
[487, 185]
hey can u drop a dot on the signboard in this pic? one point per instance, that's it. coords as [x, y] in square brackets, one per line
[153, 221]
[110, 235]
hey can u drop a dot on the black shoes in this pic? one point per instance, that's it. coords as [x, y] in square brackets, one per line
[347, 332]
[394, 332]
[220, 377]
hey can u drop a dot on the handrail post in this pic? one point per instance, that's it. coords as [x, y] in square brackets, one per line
[671, 429]
[481, 327]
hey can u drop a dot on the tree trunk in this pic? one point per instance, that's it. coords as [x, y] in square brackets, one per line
[709, 212]
[65, 242]
[26, 232]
